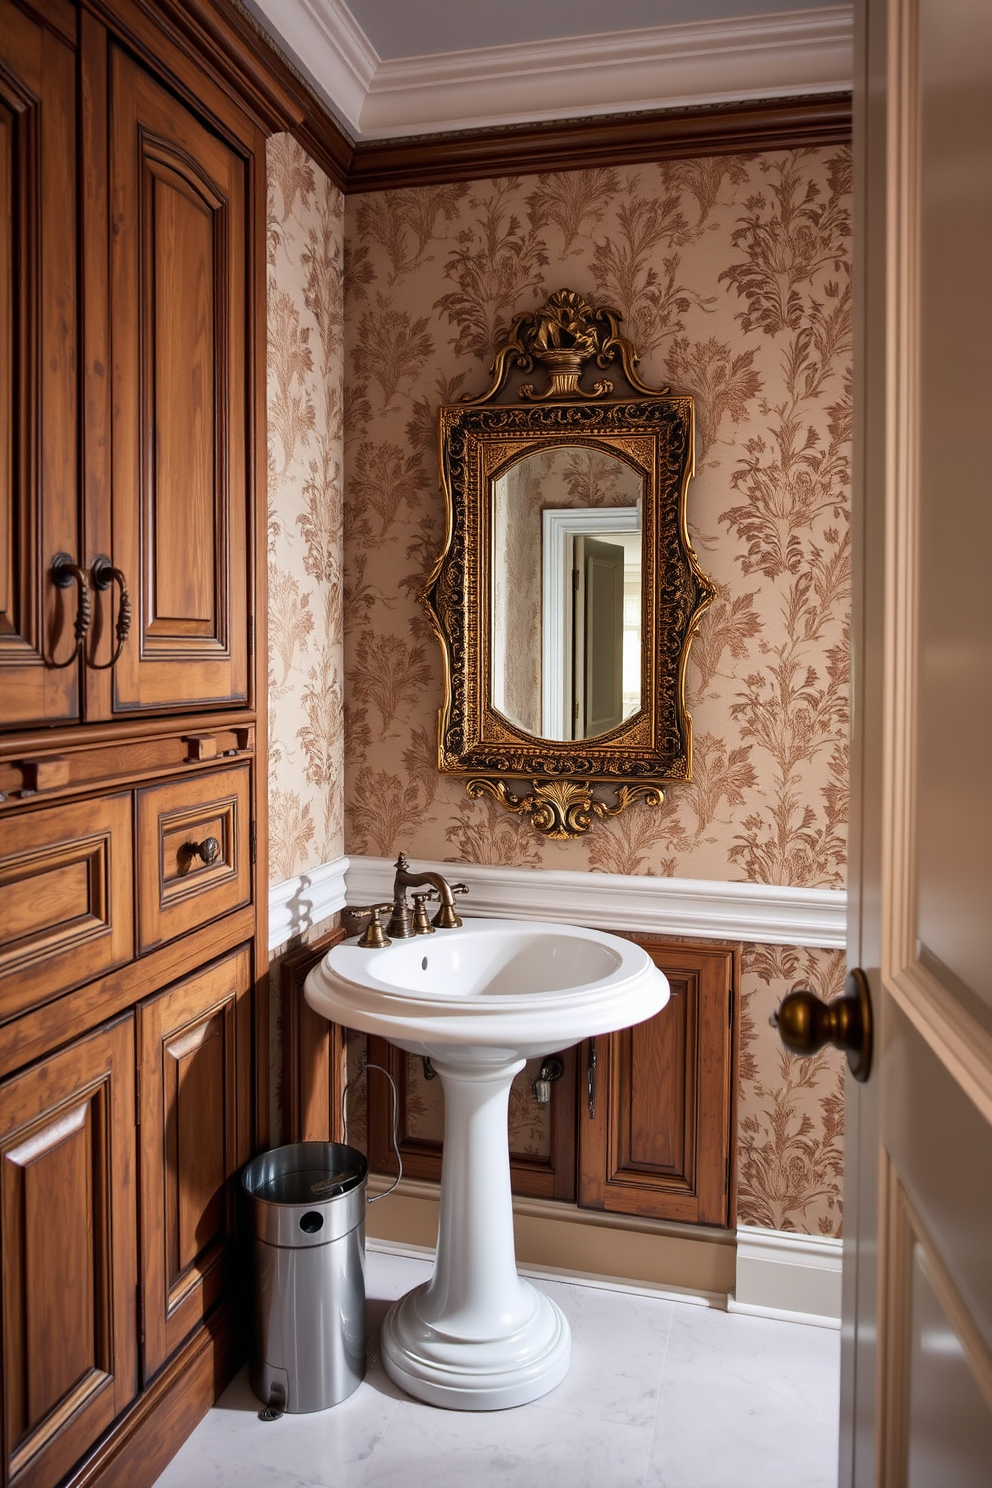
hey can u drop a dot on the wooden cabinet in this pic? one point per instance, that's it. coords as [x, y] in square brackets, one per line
[657, 1121]
[642, 1122]
[69, 1268]
[38, 365]
[179, 310]
[194, 1063]
[132, 926]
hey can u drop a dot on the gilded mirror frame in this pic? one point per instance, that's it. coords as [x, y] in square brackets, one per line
[650, 430]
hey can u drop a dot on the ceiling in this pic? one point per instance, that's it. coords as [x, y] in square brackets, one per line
[392, 68]
[415, 28]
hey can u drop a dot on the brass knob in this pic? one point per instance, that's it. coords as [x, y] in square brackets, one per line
[805, 1024]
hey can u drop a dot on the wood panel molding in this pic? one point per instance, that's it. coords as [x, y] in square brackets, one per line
[313, 1053]
[578, 144]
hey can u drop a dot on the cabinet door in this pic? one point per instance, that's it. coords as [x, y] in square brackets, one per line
[656, 1123]
[38, 463]
[69, 1263]
[194, 1053]
[541, 1137]
[179, 312]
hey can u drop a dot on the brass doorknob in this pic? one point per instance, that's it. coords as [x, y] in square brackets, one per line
[805, 1024]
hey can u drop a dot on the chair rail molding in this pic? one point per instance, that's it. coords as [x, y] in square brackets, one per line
[767, 914]
[676, 66]
[300, 903]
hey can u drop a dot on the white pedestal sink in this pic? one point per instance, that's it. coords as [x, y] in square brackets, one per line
[480, 1001]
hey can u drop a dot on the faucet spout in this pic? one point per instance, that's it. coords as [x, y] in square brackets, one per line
[447, 918]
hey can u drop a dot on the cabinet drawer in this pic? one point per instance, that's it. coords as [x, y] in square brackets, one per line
[65, 899]
[193, 846]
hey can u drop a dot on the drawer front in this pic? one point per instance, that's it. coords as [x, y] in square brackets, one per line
[66, 897]
[193, 844]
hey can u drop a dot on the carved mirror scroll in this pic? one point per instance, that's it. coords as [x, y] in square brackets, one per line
[567, 594]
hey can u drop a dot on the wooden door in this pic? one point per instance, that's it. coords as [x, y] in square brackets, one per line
[179, 316]
[69, 1266]
[657, 1105]
[38, 459]
[194, 1053]
[917, 1362]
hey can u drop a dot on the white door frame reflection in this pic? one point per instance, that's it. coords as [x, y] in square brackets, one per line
[563, 615]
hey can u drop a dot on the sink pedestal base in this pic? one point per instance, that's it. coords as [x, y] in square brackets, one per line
[476, 1336]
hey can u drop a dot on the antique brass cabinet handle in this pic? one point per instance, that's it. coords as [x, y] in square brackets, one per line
[805, 1024]
[103, 574]
[65, 573]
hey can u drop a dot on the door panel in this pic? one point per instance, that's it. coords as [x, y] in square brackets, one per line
[38, 461]
[180, 495]
[194, 1050]
[917, 1357]
[69, 1262]
[656, 1130]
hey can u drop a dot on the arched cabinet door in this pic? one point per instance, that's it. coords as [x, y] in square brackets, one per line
[179, 319]
[39, 620]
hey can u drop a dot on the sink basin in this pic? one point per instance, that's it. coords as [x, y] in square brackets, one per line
[480, 1001]
[528, 987]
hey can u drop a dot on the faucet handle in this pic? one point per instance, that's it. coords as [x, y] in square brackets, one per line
[421, 919]
[374, 938]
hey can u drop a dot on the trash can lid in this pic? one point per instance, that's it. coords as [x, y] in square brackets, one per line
[305, 1173]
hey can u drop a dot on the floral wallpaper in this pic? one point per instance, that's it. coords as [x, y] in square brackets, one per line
[306, 511]
[732, 274]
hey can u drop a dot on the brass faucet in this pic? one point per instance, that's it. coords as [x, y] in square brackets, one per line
[402, 925]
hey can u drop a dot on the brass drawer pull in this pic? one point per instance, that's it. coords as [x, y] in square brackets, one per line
[64, 574]
[103, 574]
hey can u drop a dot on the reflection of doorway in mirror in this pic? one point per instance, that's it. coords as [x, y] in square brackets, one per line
[591, 620]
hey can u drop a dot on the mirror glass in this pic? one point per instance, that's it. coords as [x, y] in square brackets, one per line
[565, 556]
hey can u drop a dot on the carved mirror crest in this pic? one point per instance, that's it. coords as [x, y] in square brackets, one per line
[567, 594]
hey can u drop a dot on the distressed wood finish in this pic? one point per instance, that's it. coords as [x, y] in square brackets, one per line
[194, 1052]
[69, 1258]
[38, 353]
[177, 888]
[314, 1071]
[65, 899]
[179, 310]
[661, 1142]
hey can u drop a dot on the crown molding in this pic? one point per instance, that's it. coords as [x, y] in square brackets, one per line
[762, 914]
[581, 144]
[660, 67]
[330, 48]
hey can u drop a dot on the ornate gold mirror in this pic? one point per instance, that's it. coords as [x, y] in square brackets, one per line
[567, 594]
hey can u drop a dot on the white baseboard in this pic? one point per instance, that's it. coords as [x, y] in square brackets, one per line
[766, 914]
[796, 1278]
[302, 902]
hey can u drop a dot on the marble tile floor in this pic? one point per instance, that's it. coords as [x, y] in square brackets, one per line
[660, 1394]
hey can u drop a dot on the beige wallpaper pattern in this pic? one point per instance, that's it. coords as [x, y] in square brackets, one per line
[732, 275]
[306, 511]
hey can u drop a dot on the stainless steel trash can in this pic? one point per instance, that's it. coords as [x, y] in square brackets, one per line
[307, 1205]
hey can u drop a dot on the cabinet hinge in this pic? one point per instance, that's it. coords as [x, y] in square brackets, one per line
[730, 1009]
[253, 842]
[141, 1311]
